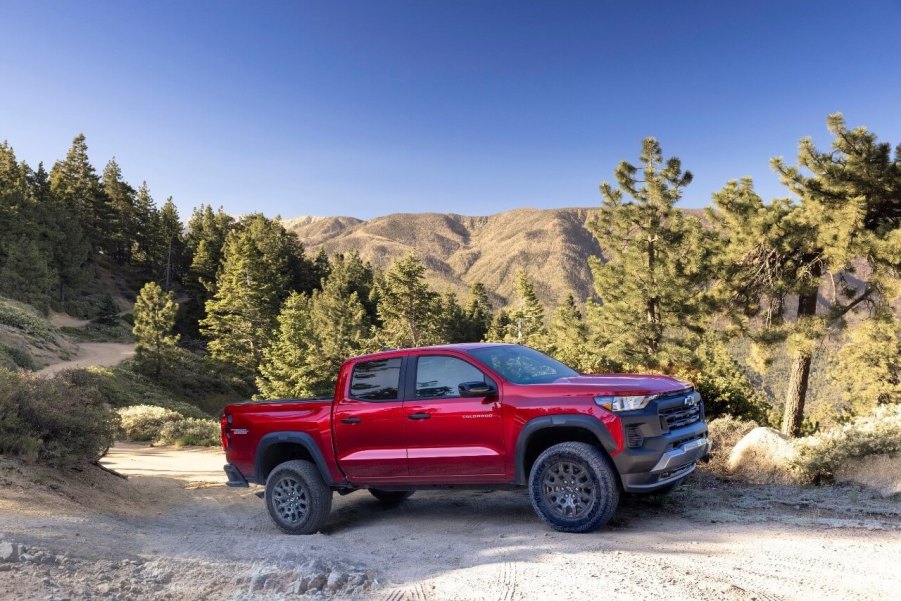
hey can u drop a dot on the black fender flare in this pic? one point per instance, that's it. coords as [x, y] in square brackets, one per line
[299, 438]
[581, 421]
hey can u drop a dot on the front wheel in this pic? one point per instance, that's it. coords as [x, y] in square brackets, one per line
[573, 487]
[297, 498]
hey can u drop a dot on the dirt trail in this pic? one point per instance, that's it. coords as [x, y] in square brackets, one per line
[103, 354]
[193, 538]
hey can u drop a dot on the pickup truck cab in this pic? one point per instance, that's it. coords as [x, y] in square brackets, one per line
[468, 415]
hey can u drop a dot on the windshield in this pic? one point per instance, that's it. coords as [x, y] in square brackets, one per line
[522, 365]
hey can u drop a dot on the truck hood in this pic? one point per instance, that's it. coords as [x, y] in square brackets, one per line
[620, 384]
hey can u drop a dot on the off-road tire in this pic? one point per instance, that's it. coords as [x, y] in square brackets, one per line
[573, 487]
[298, 500]
[391, 497]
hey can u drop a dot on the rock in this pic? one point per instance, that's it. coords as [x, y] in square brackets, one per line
[103, 588]
[881, 473]
[9, 552]
[316, 582]
[763, 456]
[335, 581]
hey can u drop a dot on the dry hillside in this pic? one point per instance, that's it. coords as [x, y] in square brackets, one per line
[551, 245]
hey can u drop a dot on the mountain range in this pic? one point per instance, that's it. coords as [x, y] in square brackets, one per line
[551, 245]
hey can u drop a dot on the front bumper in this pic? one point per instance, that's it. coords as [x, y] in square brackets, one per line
[658, 455]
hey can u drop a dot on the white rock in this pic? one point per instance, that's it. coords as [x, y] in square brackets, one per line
[763, 456]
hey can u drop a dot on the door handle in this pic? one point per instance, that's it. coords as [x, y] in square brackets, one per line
[351, 420]
[419, 416]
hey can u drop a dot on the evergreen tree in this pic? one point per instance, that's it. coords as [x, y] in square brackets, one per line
[478, 313]
[569, 336]
[242, 313]
[120, 199]
[284, 371]
[527, 319]
[25, 275]
[147, 230]
[499, 328]
[169, 255]
[848, 210]
[75, 183]
[868, 367]
[316, 335]
[154, 315]
[108, 312]
[205, 240]
[408, 309]
[651, 288]
[453, 320]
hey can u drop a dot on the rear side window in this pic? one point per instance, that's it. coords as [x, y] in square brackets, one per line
[376, 380]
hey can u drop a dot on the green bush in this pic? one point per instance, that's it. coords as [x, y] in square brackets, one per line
[726, 389]
[724, 433]
[53, 422]
[13, 358]
[820, 455]
[22, 317]
[191, 432]
[121, 387]
[143, 423]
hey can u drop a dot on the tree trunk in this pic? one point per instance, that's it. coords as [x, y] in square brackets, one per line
[796, 393]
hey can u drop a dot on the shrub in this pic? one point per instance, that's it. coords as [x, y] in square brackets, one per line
[121, 387]
[14, 358]
[726, 389]
[724, 432]
[191, 432]
[52, 422]
[142, 423]
[878, 433]
[22, 317]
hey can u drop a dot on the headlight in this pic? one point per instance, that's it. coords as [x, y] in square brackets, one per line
[624, 403]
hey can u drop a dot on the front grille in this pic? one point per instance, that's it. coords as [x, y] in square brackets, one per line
[634, 439]
[680, 416]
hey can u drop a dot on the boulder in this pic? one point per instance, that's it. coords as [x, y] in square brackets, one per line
[9, 552]
[763, 456]
[881, 473]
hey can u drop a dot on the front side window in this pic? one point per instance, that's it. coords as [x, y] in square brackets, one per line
[438, 376]
[376, 380]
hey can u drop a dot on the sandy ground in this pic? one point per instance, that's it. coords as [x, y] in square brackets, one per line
[174, 531]
[104, 354]
[64, 320]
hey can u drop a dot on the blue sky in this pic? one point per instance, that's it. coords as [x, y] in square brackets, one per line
[368, 108]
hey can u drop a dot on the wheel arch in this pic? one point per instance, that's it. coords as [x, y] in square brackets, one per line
[277, 447]
[542, 432]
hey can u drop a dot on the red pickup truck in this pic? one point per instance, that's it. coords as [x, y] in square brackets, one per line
[468, 415]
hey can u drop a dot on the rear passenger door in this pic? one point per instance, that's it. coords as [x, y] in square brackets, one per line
[369, 424]
[451, 438]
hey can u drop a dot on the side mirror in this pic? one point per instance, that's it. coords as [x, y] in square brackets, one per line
[476, 389]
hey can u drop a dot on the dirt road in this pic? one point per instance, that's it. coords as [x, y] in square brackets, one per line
[104, 354]
[173, 531]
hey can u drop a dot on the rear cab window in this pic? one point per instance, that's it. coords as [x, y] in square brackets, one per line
[377, 380]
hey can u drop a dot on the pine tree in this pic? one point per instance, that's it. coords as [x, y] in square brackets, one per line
[154, 315]
[478, 313]
[868, 367]
[527, 319]
[120, 199]
[452, 317]
[169, 255]
[283, 372]
[25, 275]
[242, 313]
[206, 238]
[75, 183]
[652, 286]
[569, 336]
[500, 326]
[147, 230]
[848, 210]
[408, 308]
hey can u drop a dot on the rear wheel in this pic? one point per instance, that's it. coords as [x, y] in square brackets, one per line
[573, 487]
[297, 498]
[391, 497]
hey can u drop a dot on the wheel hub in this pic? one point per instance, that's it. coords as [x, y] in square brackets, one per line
[290, 500]
[568, 489]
